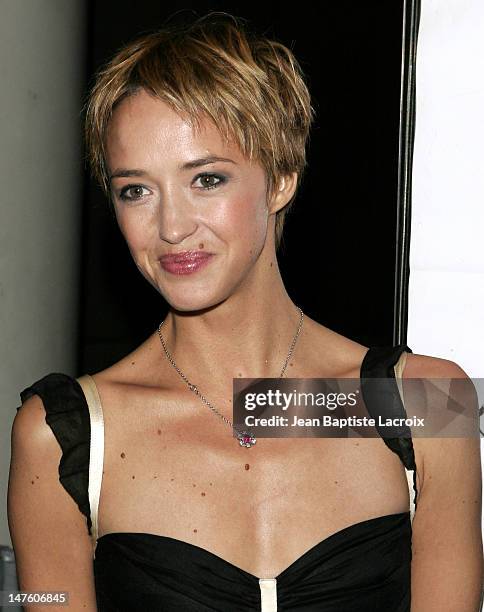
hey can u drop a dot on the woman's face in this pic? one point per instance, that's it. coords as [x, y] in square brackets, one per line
[170, 196]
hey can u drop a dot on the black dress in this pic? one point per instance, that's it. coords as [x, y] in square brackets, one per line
[364, 567]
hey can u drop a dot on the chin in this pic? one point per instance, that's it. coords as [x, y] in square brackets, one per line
[189, 302]
[191, 294]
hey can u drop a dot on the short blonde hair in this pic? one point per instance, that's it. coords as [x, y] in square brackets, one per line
[251, 87]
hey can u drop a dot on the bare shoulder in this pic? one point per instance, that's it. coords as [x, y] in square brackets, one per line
[439, 451]
[447, 536]
[139, 379]
[48, 531]
[135, 368]
[335, 354]
[426, 366]
[30, 430]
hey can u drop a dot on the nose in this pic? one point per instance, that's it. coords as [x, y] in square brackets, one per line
[176, 220]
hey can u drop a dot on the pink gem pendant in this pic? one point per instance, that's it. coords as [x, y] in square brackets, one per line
[246, 439]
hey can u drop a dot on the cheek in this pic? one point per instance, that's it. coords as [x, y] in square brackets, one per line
[252, 226]
[137, 234]
[136, 229]
[243, 220]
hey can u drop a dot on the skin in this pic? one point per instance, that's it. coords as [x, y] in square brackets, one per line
[232, 319]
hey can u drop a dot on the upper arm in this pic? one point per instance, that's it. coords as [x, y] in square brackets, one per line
[447, 561]
[53, 550]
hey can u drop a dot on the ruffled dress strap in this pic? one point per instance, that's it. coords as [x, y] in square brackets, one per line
[385, 398]
[67, 414]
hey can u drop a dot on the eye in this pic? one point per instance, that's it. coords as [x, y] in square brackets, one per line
[137, 192]
[207, 180]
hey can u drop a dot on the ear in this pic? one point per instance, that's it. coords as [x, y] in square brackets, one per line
[283, 192]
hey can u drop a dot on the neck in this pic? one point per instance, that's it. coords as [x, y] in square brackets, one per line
[248, 335]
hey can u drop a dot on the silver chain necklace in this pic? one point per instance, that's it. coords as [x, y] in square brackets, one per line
[245, 437]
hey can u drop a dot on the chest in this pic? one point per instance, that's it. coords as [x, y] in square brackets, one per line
[189, 479]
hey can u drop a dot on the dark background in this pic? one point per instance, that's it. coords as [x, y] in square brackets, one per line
[338, 262]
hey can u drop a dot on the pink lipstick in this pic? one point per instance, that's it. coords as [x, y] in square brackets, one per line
[185, 262]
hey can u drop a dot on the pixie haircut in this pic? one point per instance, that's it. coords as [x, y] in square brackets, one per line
[251, 88]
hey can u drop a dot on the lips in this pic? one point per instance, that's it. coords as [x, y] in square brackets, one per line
[186, 262]
[185, 257]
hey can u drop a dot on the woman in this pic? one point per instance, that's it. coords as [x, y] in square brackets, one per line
[198, 137]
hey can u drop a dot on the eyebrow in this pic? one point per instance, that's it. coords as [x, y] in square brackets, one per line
[194, 163]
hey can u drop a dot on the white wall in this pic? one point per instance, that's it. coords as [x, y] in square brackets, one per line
[446, 293]
[41, 67]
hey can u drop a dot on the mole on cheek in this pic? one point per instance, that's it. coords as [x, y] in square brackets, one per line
[122, 455]
[247, 466]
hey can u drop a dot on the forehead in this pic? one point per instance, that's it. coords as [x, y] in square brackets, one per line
[143, 127]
